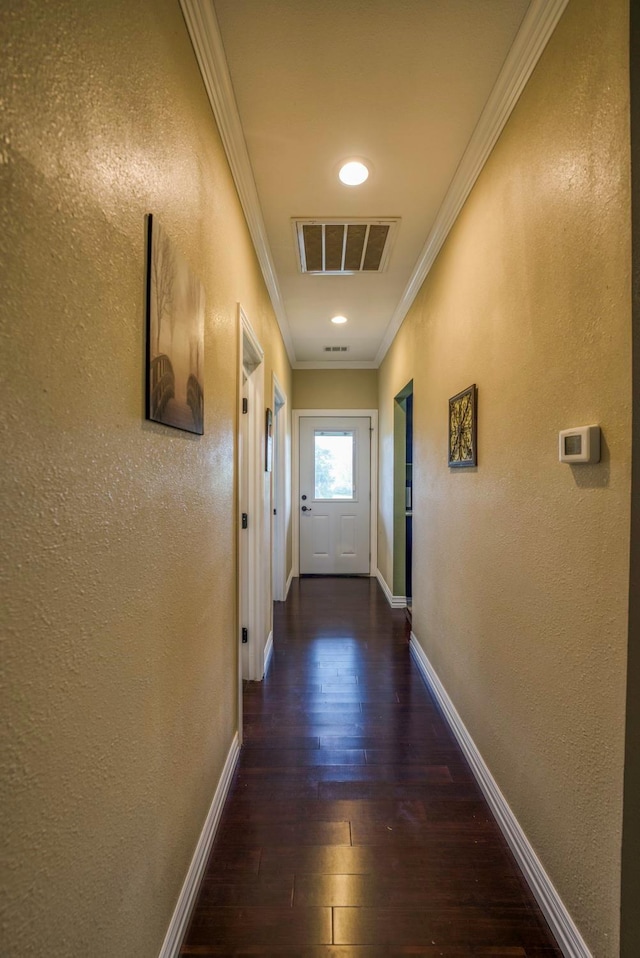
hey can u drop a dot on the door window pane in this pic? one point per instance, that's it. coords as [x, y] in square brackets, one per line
[333, 465]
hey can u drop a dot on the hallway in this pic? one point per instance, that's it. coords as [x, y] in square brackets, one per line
[354, 828]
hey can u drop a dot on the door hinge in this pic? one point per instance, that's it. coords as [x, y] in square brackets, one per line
[245, 636]
[275, 512]
[245, 405]
[245, 520]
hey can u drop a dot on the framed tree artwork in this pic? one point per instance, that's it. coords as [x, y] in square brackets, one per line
[463, 428]
[175, 336]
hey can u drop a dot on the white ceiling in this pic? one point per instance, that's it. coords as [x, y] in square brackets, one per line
[419, 88]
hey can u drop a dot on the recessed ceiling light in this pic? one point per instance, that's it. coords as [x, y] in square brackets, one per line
[353, 173]
[338, 320]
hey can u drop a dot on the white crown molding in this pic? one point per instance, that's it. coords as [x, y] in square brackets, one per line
[204, 32]
[560, 921]
[535, 31]
[336, 364]
[188, 895]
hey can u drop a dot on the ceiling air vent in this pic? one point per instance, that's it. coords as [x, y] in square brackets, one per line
[336, 349]
[342, 247]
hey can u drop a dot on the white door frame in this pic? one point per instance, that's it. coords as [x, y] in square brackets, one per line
[252, 545]
[295, 470]
[281, 492]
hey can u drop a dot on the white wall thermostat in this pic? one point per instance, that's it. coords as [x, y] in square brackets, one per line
[581, 444]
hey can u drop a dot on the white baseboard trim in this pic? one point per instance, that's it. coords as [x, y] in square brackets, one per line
[395, 601]
[288, 585]
[567, 935]
[189, 893]
[268, 652]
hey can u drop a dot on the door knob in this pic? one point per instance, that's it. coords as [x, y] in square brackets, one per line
[306, 508]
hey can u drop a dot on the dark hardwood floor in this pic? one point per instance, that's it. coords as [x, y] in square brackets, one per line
[354, 828]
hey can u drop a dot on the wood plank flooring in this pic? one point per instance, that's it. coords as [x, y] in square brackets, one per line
[354, 828]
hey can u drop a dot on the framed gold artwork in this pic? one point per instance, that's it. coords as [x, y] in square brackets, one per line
[463, 428]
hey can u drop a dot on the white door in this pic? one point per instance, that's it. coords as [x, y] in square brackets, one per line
[335, 502]
[254, 545]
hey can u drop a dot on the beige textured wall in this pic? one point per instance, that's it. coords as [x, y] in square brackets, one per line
[335, 388]
[630, 917]
[521, 565]
[118, 535]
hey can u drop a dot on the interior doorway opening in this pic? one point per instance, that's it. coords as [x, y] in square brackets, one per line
[403, 495]
[280, 493]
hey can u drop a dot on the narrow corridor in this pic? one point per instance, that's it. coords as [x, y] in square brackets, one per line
[354, 828]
